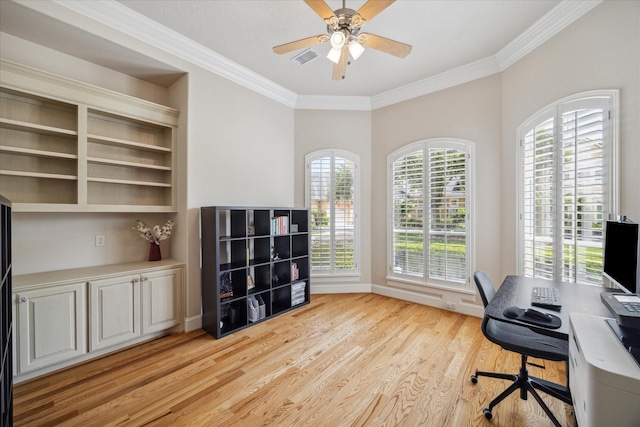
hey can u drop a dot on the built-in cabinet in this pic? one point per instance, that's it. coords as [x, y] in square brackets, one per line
[67, 316]
[66, 146]
[51, 325]
[255, 265]
[115, 311]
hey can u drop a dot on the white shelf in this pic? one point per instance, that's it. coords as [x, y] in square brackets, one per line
[37, 153]
[35, 128]
[129, 182]
[130, 164]
[125, 143]
[38, 175]
[53, 130]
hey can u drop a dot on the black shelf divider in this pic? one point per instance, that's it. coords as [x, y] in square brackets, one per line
[6, 318]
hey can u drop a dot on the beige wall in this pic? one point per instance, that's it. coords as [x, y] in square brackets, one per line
[344, 130]
[599, 51]
[240, 154]
[471, 111]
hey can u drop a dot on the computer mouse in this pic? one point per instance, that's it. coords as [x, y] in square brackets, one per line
[512, 312]
[537, 314]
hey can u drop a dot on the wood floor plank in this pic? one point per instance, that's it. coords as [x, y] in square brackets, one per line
[343, 360]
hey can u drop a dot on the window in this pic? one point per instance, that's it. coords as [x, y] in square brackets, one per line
[332, 197]
[430, 188]
[566, 187]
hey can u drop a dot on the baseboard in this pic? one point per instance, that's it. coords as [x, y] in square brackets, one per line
[344, 288]
[436, 301]
[193, 323]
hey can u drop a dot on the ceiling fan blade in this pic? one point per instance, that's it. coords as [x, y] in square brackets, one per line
[321, 8]
[385, 45]
[299, 44]
[370, 9]
[340, 69]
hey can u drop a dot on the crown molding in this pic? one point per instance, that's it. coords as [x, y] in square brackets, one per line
[322, 102]
[466, 73]
[556, 20]
[120, 18]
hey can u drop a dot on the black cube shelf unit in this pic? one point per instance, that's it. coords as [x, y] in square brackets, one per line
[255, 265]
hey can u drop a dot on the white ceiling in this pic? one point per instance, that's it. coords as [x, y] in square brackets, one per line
[446, 36]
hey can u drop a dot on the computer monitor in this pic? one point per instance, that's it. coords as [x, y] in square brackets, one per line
[621, 255]
[621, 267]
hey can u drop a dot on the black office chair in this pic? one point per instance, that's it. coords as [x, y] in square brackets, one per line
[526, 342]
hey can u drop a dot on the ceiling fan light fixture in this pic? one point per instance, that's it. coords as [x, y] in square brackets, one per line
[355, 49]
[334, 55]
[338, 40]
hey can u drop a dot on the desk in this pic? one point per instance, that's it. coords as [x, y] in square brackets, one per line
[575, 298]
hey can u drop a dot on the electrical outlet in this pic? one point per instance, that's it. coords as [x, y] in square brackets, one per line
[100, 240]
[451, 306]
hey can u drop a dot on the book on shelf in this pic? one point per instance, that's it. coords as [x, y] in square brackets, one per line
[279, 225]
[295, 272]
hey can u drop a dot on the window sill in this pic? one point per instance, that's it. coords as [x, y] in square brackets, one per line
[398, 282]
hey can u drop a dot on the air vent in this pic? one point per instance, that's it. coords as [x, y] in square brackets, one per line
[305, 57]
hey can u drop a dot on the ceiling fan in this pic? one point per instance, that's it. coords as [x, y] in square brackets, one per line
[343, 31]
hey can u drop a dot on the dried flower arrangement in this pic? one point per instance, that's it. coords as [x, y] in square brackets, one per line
[155, 234]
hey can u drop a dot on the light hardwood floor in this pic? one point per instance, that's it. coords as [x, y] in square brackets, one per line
[343, 360]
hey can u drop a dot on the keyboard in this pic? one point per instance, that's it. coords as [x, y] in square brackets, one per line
[545, 297]
[633, 307]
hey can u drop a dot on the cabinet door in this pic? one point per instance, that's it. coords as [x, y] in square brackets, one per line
[51, 325]
[114, 311]
[160, 300]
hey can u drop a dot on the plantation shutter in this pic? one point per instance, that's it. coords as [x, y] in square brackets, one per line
[538, 200]
[582, 194]
[343, 214]
[429, 227]
[408, 210]
[332, 201]
[565, 194]
[320, 205]
[447, 214]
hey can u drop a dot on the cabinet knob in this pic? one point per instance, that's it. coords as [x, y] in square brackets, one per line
[145, 278]
[23, 299]
[136, 280]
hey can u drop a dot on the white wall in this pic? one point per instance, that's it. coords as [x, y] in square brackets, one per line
[599, 51]
[344, 130]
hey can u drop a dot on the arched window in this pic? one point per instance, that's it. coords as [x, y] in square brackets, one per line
[430, 194]
[332, 178]
[567, 187]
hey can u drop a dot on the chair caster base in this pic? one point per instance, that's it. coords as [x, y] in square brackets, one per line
[487, 413]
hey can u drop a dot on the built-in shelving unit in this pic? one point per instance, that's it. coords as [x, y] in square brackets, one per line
[6, 317]
[69, 146]
[255, 265]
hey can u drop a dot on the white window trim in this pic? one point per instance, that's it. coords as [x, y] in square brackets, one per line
[447, 142]
[355, 274]
[551, 110]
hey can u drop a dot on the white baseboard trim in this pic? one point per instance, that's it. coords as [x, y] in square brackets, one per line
[344, 288]
[193, 323]
[430, 300]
